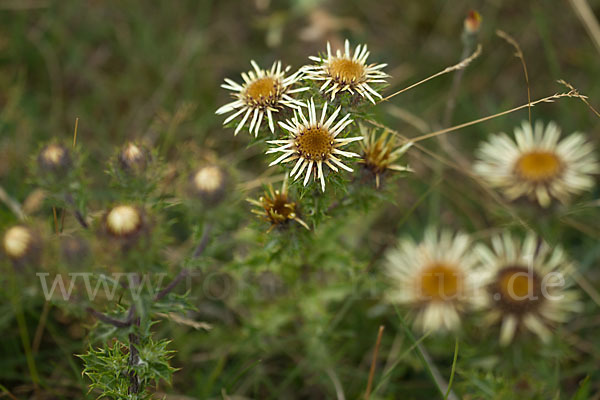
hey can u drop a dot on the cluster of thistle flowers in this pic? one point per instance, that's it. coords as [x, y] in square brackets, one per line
[23, 243]
[520, 284]
[442, 277]
[311, 141]
[124, 223]
[523, 284]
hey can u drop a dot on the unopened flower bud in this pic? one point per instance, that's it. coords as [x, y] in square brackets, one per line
[54, 158]
[209, 183]
[124, 221]
[21, 244]
[133, 157]
[473, 22]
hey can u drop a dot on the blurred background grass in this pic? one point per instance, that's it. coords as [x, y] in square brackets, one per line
[132, 69]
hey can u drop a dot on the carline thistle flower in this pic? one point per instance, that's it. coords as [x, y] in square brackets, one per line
[54, 158]
[380, 153]
[133, 157]
[313, 143]
[526, 286]
[346, 72]
[537, 165]
[21, 244]
[209, 182]
[276, 207]
[435, 277]
[263, 93]
[124, 221]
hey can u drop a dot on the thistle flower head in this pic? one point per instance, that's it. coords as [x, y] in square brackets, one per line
[472, 22]
[21, 243]
[209, 182]
[124, 221]
[435, 278]
[346, 72]
[133, 157]
[276, 207]
[314, 142]
[526, 285]
[380, 152]
[537, 165]
[263, 93]
[54, 158]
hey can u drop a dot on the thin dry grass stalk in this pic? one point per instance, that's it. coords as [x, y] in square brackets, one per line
[75, 132]
[463, 64]
[339, 390]
[55, 220]
[11, 203]
[198, 325]
[587, 287]
[374, 363]
[39, 332]
[260, 181]
[520, 56]
[582, 98]
[548, 99]
[588, 19]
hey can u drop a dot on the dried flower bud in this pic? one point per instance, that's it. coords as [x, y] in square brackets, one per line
[124, 221]
[473, 22]
[209, 183]
[21, 244]
[133, 157]
[380, 153]
[54, 158]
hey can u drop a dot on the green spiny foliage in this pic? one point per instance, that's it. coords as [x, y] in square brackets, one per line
[111, 370]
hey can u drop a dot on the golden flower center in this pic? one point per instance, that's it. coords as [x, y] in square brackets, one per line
[262, 89]
[538, 166]
[314, 143]
[347, 71]
[516, 289]
[123, 220]
[515, 286]
[440, 282]
[208, 179]
[16, 241]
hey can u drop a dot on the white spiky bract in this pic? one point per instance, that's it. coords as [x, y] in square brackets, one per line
[501, 163]
[551, 300]
[346, 72]
[255, 102]
[314, 142]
